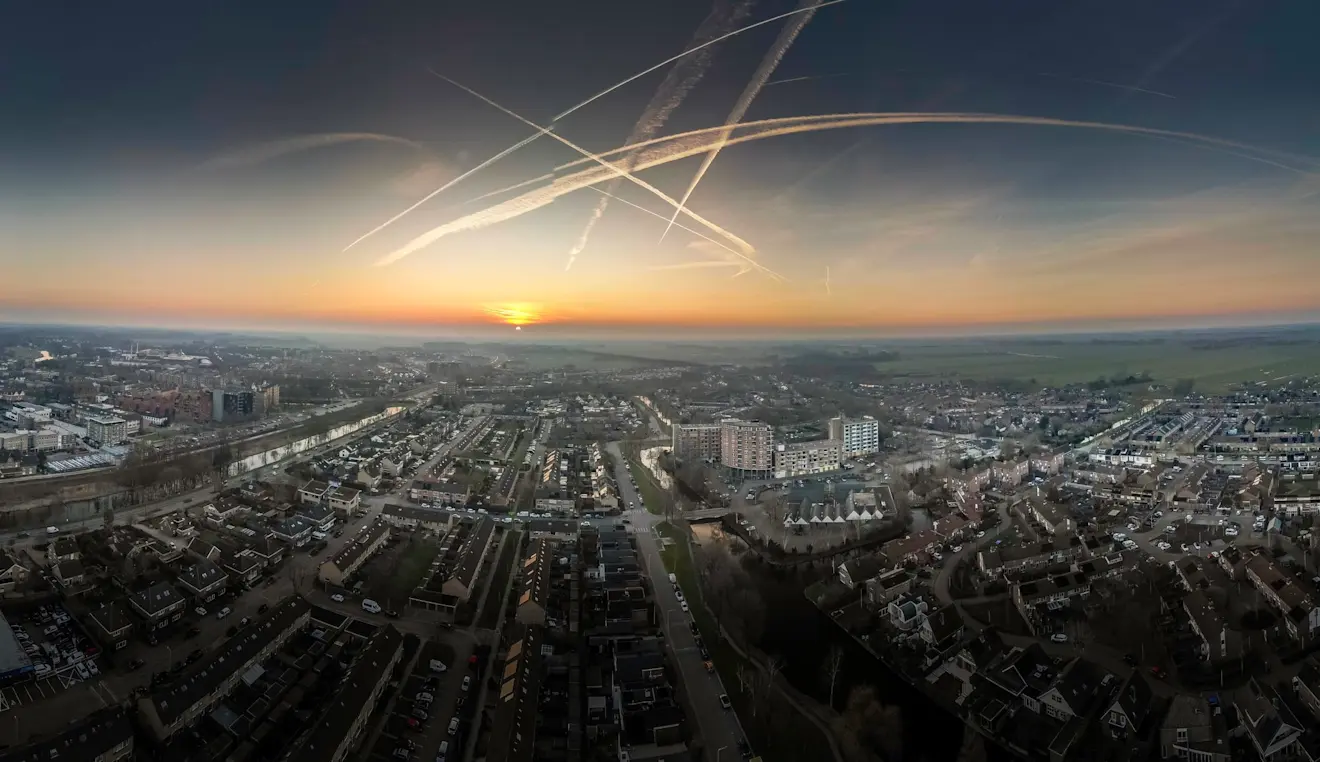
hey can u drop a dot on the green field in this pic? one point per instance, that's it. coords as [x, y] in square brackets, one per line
[1212, 369]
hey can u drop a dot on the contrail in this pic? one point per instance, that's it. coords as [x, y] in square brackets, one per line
[617, 171]
[1244, 150]
[563, 114]
[1102, 83]
[804, 79]
[672, 91]
[681, 226]
[762, 75]
[262, 152]
[1172, 54]
[828, 290]
[677, 147]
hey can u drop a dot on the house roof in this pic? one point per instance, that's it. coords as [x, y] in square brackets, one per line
[1079, 683]
[201, 679]
[70, 569]
[513, 735]
[64, 546]
[469, 561]
[344, 493]
[7, 561]
[1134, 699]
[156, 598]
[358, 688]
[202, 575]
[355, 548]
[1268, 720]
[944, 623]
[111, 617]
[315, 487]
[91, 738]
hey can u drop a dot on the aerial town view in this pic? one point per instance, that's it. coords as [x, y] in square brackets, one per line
[716, 380]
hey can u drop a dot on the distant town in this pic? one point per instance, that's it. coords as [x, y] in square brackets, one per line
[223, 548]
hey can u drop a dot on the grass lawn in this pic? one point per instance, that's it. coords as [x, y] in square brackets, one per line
[790, 737]
[655, 496]
[414, 558]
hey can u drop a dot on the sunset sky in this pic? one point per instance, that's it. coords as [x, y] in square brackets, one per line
[179, 167]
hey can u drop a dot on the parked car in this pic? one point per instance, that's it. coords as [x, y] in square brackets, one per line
[337, 598]
[199, 611]
[725, 702]
[135, 664]
[224, 612]
[1059, 637]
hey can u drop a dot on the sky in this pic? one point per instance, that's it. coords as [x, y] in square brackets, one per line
[178, 166]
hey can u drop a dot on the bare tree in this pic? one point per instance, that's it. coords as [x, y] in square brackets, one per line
[833, 665]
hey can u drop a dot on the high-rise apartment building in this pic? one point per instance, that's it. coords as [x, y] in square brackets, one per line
[107, 430]
[747, 445]
[860, 436]
[233, 405]
[697, 440]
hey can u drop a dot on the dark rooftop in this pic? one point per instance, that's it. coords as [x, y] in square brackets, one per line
[324, 739]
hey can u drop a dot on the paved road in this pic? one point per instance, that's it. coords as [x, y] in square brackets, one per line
[718, 728]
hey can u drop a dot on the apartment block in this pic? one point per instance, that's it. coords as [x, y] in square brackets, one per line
[860, 436]
[697, 440]
[747, 445]
[814, 457]
[107, 430]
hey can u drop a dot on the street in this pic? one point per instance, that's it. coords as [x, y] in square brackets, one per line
[719, 728]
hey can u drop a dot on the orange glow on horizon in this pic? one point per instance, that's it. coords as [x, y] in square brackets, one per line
[518, 315]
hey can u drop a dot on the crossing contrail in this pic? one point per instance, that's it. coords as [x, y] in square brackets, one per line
[672, 91]
[262, 152]
[771, 61]
[583, 104]
[694, 232]
[618, 172]
[676, 147]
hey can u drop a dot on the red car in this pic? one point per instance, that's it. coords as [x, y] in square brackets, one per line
[1159, 672]
[414, 723]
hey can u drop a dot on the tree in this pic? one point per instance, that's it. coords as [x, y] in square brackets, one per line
[867, 728]
[833, 664]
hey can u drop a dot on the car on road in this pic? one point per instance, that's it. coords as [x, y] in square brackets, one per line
[1059, 637]
[224, 612]
[337, 598]
[956, 548]
[135, 664]
[420, 714]
[1159, 672]
[262, 608]
[683, 605]
[199, 611]
[453, 726]
[467, 682]
[710, 666]
[725, 702]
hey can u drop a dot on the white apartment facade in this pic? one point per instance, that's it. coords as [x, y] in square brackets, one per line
[860, 436]
[814, 457]
[747, 446]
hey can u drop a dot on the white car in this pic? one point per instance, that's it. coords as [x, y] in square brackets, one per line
[979, 535]
[199, 611]
[337, 598]
[679, 595]
[1119, 536]
[42, 668]
[957, 548]
[683, 605]
[1059, 637]
[1184, 547]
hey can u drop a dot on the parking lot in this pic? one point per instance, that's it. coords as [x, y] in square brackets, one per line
[63, 655]
[426, 720]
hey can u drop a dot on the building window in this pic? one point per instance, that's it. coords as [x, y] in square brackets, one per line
[1182, 735]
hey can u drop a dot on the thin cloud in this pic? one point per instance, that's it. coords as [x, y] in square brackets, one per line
[274, 149]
